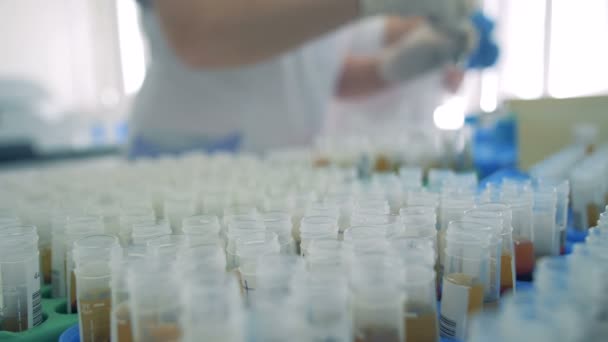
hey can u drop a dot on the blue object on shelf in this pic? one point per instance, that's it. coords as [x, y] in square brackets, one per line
[506, 173]
[70, 335]
[494, 143]
[575, 236]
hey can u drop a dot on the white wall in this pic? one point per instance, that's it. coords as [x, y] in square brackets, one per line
[69, 46]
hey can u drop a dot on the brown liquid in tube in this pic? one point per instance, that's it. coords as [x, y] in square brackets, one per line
[95, 316]
[46, 264]
[422, 328]
[378, 334]
[506, 273]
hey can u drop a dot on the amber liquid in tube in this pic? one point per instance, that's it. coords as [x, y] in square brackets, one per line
[166, 332]
[123, 324]
[46, 264]
[524, 258]
[378, 334]
[94, 316]
[74, 303]
[476, 294]
[14, 323]
[421, 327]
[506, 273]
[593, 215]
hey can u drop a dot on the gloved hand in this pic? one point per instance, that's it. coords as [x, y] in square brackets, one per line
[444, 13]
[426, 49]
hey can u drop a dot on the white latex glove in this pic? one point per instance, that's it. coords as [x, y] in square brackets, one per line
[444, 13]
[427, 48]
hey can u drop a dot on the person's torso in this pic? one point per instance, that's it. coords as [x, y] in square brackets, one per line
[276, 103]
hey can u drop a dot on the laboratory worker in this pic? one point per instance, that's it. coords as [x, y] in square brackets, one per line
[242, 75]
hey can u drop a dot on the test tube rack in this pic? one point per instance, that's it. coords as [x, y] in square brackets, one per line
[55, 321]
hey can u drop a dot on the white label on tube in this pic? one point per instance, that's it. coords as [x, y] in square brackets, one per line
[454, 308]
[34, 300]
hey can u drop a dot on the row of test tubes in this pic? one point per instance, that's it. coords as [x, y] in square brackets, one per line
[568, 302]
[228, 246]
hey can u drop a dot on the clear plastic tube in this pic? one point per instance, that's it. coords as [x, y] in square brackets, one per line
[281, 224]
[465, 276]
[213, 314]
[154, 310]
[94, 301]
[20, 279]
[492, 226]
[378, 309]
[317, 228]
[546, 233]
[143, 232]
[202, 230]
[523, 235]
[507, 265]
[420, 310]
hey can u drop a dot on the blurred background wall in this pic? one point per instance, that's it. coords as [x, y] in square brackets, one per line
[89, 56]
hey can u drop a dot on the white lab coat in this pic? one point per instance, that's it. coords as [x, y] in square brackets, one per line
[277, 103]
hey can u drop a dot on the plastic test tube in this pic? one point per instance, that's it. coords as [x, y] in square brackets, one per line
[492, 226]
[249, 249]
[546, 233]
[420, 310]
[212, 313]
[326, 301]
[142, 232]
[19, 279]
[202, 230]
[315, 228]
[76, 228]
[562, 189]
[280, 223]
[465, 275]
[523, 235]
[378, 306]
[94, 301]
[154, 310]
[507, 257]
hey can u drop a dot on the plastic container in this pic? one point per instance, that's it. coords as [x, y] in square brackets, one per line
[55, 322]
[202, 230]
[249, 248]
[523, 235]
[213, 314]
[153, 302]
[165, 247]
[562, 189]
[378, 310]
[176, 207]
[281, 224]
[134, 215]
[94, 301]
[326, 255]
[507, 264]
[20, 279]
[420, 310]
[317, 228]
[326, 300]
[546, 233]
[143, 232]
[587, 201]
[493, 228]
[465, 277]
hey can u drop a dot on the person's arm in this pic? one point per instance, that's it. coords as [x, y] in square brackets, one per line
[361, 75]
[419, 50]
[227, 33]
